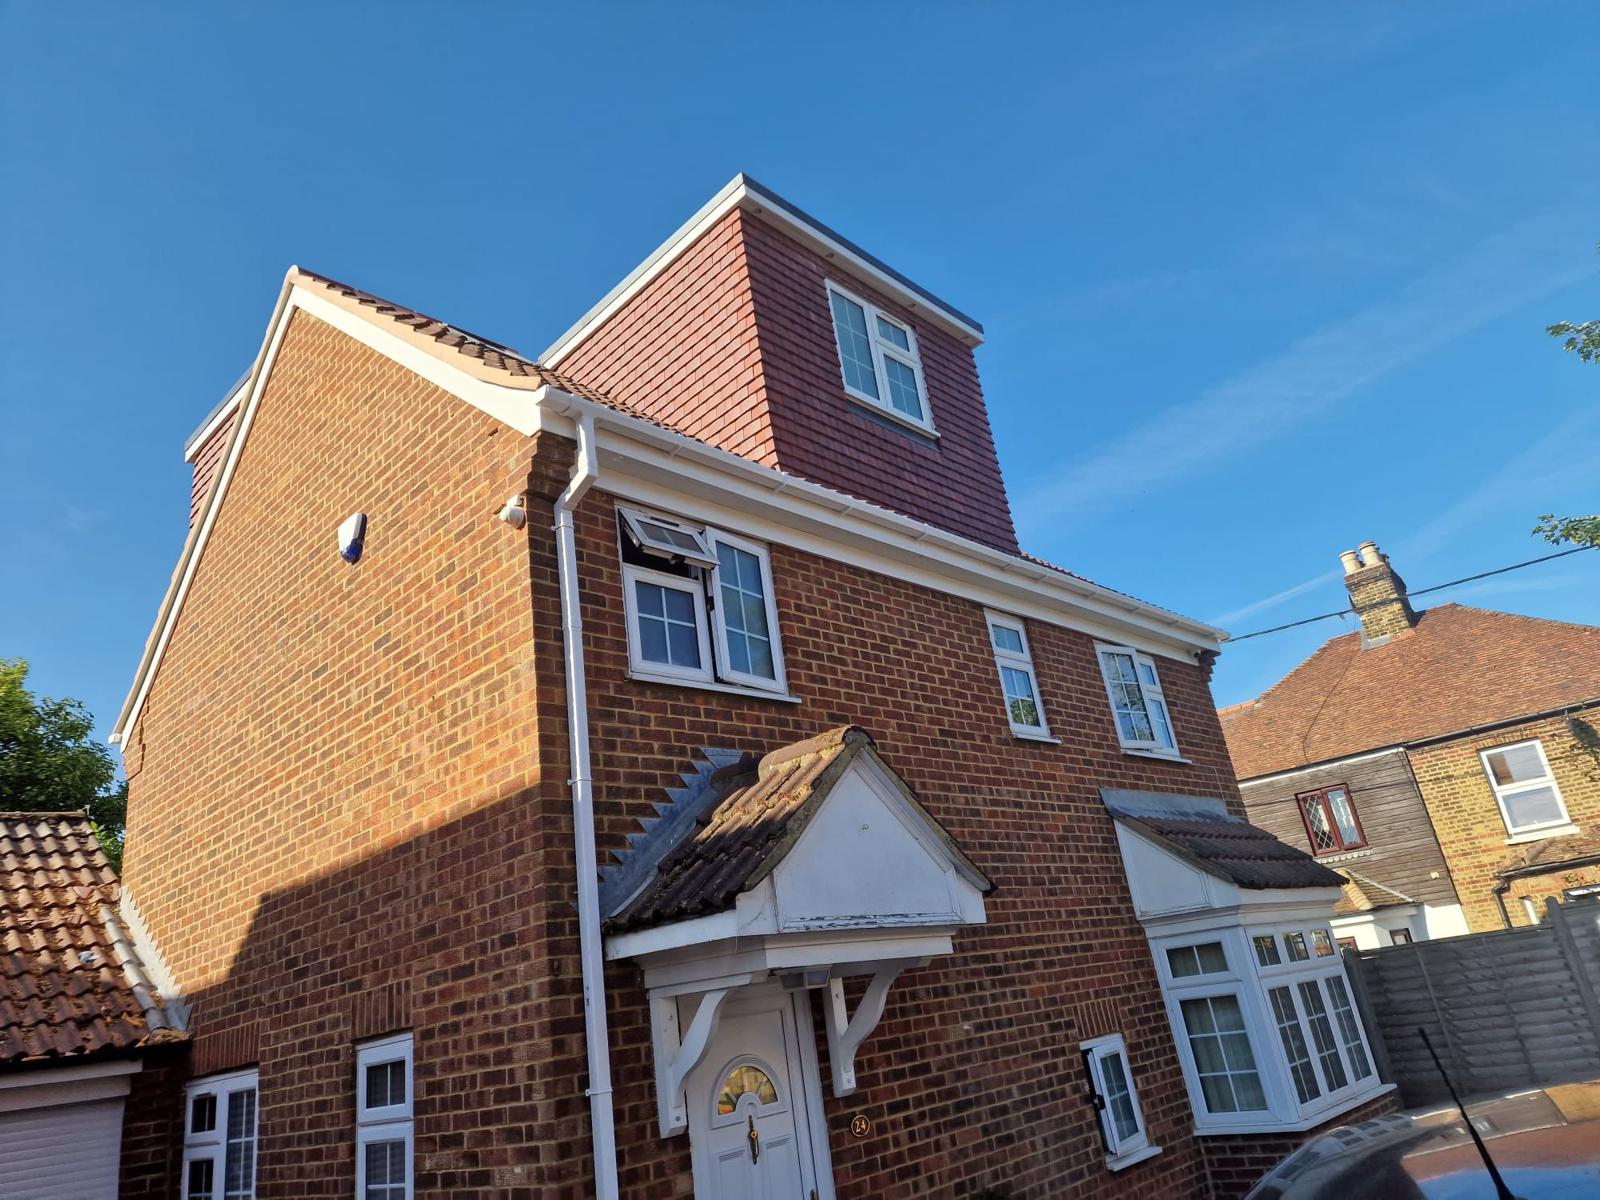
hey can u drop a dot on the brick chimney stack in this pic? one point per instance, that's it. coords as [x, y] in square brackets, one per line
[1377, 594]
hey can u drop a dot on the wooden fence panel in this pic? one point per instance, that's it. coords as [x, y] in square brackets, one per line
[1510, 1009]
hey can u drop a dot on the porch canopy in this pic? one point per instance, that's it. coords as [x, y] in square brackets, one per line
[814, 864]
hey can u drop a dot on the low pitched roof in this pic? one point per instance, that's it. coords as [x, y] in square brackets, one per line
[756, 819]
[70, 981]
[1459, 668]
[1361, 894]
[1200, 830]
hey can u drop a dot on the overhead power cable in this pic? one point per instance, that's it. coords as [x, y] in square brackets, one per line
[1438, 587]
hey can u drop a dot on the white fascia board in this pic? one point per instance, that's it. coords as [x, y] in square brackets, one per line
[512, 406]
[1278, 776]
[647, 464]
[75, 1073]
[743, 192]
[1274, 906]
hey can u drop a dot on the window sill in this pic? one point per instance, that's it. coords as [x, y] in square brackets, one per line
[1034, 735]
[705, 685]
[1120, 1162]
[1543, 835]
[1158, 755]
[871, 408]
[1340, 856]
[1320, 1117]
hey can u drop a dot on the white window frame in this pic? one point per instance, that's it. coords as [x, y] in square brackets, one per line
[880, 347]
[1016, 661]
[1250, 984]
[705, 589]
[723, 667]
[212, 1145]
[1120, 1151]
[1152, 747]
[638, 522]
[695, 589]
[1548, 779]
[388, 1122]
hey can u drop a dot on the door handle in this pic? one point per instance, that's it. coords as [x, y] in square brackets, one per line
[755, 1140]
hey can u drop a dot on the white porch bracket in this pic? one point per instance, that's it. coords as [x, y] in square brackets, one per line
[676, 1057]
[845, 1034]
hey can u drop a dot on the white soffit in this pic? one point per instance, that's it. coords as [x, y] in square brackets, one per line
[743, 192]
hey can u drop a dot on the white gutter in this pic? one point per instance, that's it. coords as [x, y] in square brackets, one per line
[602, 1128]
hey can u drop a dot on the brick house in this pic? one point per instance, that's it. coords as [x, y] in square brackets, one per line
[1446, 761]
[733, 810]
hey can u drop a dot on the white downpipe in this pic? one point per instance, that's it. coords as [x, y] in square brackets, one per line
[601, 1123]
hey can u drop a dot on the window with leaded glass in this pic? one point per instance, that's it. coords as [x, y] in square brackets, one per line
[1331, 821]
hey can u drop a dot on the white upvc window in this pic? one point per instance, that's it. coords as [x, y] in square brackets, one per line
[219, 1137]
[1524, 788]
[384, 1148]
[1019, 686]
[1116, 1099]
[879, 359]
[1138, 704]
[1269, 1034]
[699, 604]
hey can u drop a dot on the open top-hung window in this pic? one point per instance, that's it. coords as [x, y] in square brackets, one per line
[219, 1138]
[1524, 788]
[699, 604]
[879, 358]
[1137, 701]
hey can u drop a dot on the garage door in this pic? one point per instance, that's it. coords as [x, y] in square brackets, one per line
[63, 1152]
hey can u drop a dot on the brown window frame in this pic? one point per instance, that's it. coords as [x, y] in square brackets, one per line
[1320, 795]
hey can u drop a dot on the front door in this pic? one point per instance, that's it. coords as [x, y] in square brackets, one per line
[750, 1129]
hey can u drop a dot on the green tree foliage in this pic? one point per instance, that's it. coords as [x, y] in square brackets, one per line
[1584, 341]
[49, 761]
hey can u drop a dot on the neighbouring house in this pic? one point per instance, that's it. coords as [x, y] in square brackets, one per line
[82, 1013]
[1446, 762]
[656, 770]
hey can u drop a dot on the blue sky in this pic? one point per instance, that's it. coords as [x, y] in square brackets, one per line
[1260, 281]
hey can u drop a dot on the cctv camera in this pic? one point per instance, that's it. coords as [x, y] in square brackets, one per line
[514, 513]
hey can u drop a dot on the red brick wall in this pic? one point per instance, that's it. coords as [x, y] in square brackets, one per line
[152, 1125]
[734, 343]
[207, 462]
[974, 1077]
[335, 786]
[1472, 832]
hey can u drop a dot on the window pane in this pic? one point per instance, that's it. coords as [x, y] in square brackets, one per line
[1536, 806]
[202, 1179]
[385, 1170]
[1267, 950]
[1349, 1028]
[1294, 1045]
[902, 387]
[1322, 943]
[1162, 726]
[1119, 1096]
[1344, 816]
[1021, 702]
[741, 1081]
[1322, 1035]
[239, 1156]
[667, 629]
[1204, 959]
[855, 352]
[1006, 638]
[1294, 944]
[893, 334]
[1518, 764]
[386, 1083]
[744, 612]
[1226, 1066]
[1322, 838]
[203, 1114]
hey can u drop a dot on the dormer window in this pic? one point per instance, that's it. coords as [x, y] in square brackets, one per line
[879, 358]
[699, 605]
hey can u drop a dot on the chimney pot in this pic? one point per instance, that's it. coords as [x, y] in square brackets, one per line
[1377, 594]
[1369, 554]
[1351, 561]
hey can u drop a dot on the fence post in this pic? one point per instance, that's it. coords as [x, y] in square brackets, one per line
[1556, 917]
[1356, 969]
